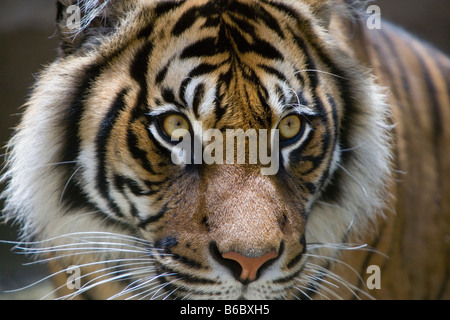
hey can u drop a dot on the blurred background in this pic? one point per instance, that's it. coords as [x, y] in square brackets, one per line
[28, 42]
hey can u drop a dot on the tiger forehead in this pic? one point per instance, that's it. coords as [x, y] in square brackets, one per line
[215, 55]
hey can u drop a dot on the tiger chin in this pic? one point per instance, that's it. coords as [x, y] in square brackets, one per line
[363, 173]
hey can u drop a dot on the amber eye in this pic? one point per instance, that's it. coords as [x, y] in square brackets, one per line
[290, 127]
[173, 122]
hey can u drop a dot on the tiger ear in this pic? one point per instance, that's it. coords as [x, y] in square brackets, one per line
[321, 10]
[80, 22]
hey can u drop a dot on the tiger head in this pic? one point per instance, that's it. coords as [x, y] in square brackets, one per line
[93, 159]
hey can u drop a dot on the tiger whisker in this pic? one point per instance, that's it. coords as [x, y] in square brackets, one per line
[354, 178]
[320, 286]
[340, 246]
[332, 275]
[321, 71]
[83, 289]
[299, 106]
[64, 271]
[154, 297]
[81, 246]
[143, 268]
[85, 234]
[344, 246]
[88, 285]
[61, 256]
[312, 289]
[94, 282]
[300, 288]
[93, 243]
[170, 293]
[152, 287]
[319, 282]
[352, 148]
[335, 261]
[149, 291]
[35, 282]
[132, 287]
[61, 198]
[317, 278]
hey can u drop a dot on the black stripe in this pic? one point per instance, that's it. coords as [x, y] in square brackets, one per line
[432, 93]
[204, 68]
[167, 6]
[160, 150]
[122, 182]
[139, 66]
[138, 70]
[184, 278]
[205, 47]
[155, 217]
[73, 196]
[351, 109]
[271, 22]
[296, 156]
[185, 21]
[259, 46]
[146, 31]
[256, 12]
[309, 63]
[211, 21]
[161, 75]
[101, 143]
[244, 24]
[154, 185]
[190, 263]
[182, 91]
[210, 11]
[220, 109]
[393, 67]
[272, 71]
[327, 139]
[138, 153]
[75, 112]
[297, 99]
[265, 120]
[288, 278]
[278, 6]
[280, 93]
[198, 97]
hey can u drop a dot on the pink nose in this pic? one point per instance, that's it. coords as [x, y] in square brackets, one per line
[250, 266]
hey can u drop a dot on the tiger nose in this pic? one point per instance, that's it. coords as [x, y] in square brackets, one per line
[249, 265]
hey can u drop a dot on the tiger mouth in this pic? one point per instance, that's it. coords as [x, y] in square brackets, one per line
[227, 283]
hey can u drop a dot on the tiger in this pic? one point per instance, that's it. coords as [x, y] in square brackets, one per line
[357, 208]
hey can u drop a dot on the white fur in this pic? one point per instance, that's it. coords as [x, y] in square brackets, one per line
[33, 193]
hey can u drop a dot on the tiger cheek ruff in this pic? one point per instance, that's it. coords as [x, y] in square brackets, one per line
[117, 168]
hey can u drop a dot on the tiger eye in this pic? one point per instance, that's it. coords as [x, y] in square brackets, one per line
[289, 127]
[174, 122]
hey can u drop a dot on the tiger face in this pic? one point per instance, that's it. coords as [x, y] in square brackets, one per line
[110, 104]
